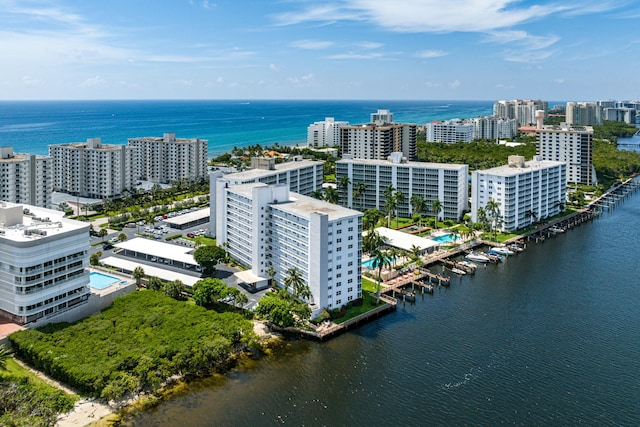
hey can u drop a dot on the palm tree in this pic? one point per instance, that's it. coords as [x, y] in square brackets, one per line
[380, 260]
[400, 199]
[317, 194]
[138, 274]
[371, 218]
[418, 205]
[331, 195]
[272, 273]
[343, 186]
[492, 209]
[4, 356]
[102, 233]
[294, 281]
[359, 191]
[416, 251]
[436, 207]
[372, 241]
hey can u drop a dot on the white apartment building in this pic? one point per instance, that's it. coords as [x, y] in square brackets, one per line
[450, 131]
[623, 114]
[572, 145]
[25, 178]
[494, 127]
[302, 176]
[43, 260]
[92, 169]
[324, 134]
[523, 110]
[525, 191]
[166, 159]
[264, 226]
[584, 113]
[447, 183]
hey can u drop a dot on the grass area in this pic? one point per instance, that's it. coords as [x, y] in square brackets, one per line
[203, 240]
[368, 285]
[368, 304]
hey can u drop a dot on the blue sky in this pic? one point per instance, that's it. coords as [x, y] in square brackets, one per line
[577, 50]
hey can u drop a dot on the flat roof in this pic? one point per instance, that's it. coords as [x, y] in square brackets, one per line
[149, 270]
[247, 276]
[303, 206]
[189, 217]
[158, 249]
[531, 165]
[405, 241]
[37, 223]
[426, 165]
[253, 174]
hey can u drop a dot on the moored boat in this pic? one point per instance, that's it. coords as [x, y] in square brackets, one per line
[474, 256]
[502, 250]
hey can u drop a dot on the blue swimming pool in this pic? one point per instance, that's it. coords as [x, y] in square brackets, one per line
[369, 263]
[446, 238]
[101, 281]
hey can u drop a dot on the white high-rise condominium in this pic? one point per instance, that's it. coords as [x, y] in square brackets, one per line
[43, 260]
[450, 131]
[494, 127]
[167, 159]
[266, 227]
[92, 169]
[524, 191]
[324, 134]
[572, 145]
[369, 179]
[25, 178]
[522, 110]
[584, 113]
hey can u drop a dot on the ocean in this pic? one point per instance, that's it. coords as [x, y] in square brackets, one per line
[31, 126]
[547, 338]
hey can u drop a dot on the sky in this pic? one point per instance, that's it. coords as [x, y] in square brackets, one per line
[573, 50]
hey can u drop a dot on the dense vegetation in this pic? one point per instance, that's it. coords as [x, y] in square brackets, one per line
[137, 343]
[27, 401]
[611, 131]
[612, 164]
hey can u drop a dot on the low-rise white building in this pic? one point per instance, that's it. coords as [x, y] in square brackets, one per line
[368, 180]
[265, 228]
[43, 260]
[25, 178]
[525, 191]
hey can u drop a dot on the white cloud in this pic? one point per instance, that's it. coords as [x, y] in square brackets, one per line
[559, 81]
[369, 45]
[304, 80]
[96, 81]
[353, 55]
[522, 38]
[30, 81]
[274, 67]
[455, 84]
[312, 44]
[430, 54]
[207, 5]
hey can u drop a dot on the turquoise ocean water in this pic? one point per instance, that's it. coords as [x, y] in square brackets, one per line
[31, 126]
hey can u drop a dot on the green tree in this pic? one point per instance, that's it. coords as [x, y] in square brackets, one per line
[418, 206]
[208, 291]
[122, 237]
[492, 208]
[331, 195]
[436, 207]
[94, 259]
[102, 233]
[4, 356]
[209, 256]
[370, 219]
[138, 274]
[294, 282]
[173, 289]
[400, 198]
[154, 283]
[359, 192]
[380, 260]
[343, 187]
[317, 194]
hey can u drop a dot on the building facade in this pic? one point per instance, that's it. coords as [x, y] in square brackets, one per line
[167, 159]
[302, 176]
[623, 114]
[324, 134]
[92, 169]
[523, 110]
[584, 113]
[25, 178]
[450, 131]
[526, 192]
[43, 260]
[267, 228]
[447, 183]
[378, 139]
[494, 128]
[572, 145]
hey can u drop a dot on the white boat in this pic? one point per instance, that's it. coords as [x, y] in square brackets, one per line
[468, 264]
[503, 250]
[472, 256]
[458, 271]
[556, 229]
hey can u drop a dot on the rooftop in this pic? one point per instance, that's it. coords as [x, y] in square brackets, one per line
[24, 223]
[426, 165]
[252, 174]
[531, 165]
[304, 206]
[189, 217]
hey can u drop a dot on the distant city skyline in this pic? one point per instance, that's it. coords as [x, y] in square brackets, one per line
[340, 49]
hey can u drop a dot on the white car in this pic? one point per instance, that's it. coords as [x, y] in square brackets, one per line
[113, 240]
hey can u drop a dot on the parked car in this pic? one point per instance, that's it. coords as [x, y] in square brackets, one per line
[113, 240]
[107, 246]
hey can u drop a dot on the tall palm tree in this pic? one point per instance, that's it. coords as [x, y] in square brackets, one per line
[492, 209]
[400, 199]
[416, 251]
[436, 207]
[272, 274]
[418, 205]
[380, 260]
[390, 207]
[372, 241]
[317, 194]
[293, 280]
[331, 195]
[358, 192]
[343, 187]
[371, 218]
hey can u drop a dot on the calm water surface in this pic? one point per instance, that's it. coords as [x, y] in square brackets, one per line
[549, 337]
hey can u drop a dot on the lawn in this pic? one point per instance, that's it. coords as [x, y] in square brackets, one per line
[368, 304]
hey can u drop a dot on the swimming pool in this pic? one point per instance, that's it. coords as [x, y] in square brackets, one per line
[369, 263]
[446, 238]
[101, 281]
